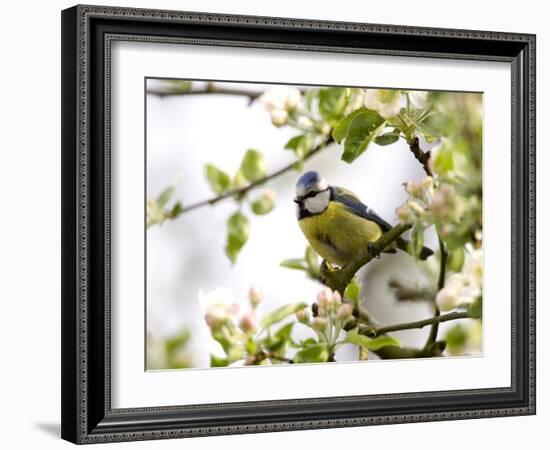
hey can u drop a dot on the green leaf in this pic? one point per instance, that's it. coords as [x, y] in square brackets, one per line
[251, 346]
[262, 205]
[223, 340]
[301, 145]
[444, 160]
[294, 263]
[456, 339]
[218, 179]
[387, 138]
[253, 165]
[455, 259]
[177, 341]
[278, 342]
[362, 130]
[312, 259]
[312, 354]
[476, 308]
[340, 131]
[428, 132]
[281, 313]
[235, 353]
[371, 344]
[238, 231]
[416, 244]
[176, 210]
[352, 290]
[164, 196]
[216, 361]
[332, 102]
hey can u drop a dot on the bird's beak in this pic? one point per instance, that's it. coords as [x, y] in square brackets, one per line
[297, 200]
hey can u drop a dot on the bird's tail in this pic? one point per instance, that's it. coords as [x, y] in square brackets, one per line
[425, 253]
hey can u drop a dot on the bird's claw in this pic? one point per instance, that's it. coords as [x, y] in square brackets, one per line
[329, 267]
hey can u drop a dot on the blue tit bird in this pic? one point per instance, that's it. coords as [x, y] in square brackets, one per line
[336, 223]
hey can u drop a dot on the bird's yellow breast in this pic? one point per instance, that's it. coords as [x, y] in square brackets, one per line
[337, 234]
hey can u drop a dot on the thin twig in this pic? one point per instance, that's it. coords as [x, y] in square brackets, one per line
[432, 337]
[377, 331]
[236, 193]
[210, 89]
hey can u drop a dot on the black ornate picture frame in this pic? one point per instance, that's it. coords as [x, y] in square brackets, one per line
[87, 34]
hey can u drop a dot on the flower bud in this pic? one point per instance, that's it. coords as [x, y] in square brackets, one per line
[248, 322]
[302, 315]
[215, 318]
[427, 184]
[415, 207]
[403, 214]
[319, 323]
[305, 122]
[413, 188]
[254, 296]
[279, 117]
[292, 99]
[325, 129]
[336, 298]
[344, 312]
[324, 299]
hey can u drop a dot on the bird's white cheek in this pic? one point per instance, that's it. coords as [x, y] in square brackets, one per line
[319, 203]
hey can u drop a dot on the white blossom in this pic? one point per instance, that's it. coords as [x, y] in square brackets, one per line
[419, 99]
[462, 289]
[279, 101]
[386, 101]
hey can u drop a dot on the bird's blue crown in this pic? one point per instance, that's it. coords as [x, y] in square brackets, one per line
[310, 181]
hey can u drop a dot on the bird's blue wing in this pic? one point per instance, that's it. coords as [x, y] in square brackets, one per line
[350, 200]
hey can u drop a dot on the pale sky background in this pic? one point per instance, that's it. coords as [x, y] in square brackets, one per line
[187, 255]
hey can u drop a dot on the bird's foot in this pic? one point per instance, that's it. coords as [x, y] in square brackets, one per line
[329, 267]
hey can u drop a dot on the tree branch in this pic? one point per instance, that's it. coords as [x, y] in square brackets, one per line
[432, 337]
[377, 331]
[421, 156]
[236, 193]
[209, 89]
[339, 279]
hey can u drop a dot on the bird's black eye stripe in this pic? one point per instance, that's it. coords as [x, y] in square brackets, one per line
[313, 193]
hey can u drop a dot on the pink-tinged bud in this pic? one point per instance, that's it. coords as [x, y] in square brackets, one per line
[403, 214]
[336, 298]
[439, 206]
[413, 188]
[215, 319]
[302, 315]
[248, 322]
[345, 312]
[319, 323]
[324, 299]
[254, 296]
